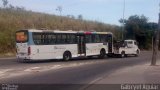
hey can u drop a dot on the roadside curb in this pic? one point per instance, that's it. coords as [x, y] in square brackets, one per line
[6, 58]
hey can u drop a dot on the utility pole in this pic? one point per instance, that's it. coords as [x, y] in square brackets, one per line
[59, 9]
[156, 44]
[123, 26]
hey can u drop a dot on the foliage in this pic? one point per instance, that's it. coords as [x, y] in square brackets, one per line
[138, 28]
[5, 3]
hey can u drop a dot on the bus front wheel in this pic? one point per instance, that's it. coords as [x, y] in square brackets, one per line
[67, 56]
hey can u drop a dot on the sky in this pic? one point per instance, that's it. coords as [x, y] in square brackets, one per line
[106, 11]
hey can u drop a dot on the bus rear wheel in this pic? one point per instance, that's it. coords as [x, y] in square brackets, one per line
[102, 53]
[67, 56]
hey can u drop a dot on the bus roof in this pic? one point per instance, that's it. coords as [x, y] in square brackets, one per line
[67, 31]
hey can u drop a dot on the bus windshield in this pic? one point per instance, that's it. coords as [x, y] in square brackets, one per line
[21, 36]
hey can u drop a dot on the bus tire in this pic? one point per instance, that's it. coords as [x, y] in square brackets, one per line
[23, 61]
[110, 55]
[67, 56]
[102, 53]
[122, 55]
[90, 57]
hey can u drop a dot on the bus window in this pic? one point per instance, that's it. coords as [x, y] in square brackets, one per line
[72, 39]
[88, 39]
[104, 39]
[109, 38]
[37, 38]
[21, 36]
[58, 39]
[68, 38]
[64, 37]
[42, 39]
[53, 38]
[97, 38]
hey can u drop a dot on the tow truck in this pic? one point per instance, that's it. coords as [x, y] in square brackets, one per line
[125, 48]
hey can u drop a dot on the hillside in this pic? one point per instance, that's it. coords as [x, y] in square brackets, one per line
[13, 19]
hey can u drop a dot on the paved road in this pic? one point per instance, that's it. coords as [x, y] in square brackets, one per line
[78, 71]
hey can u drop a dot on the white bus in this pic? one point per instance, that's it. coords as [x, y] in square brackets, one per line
[54, 44]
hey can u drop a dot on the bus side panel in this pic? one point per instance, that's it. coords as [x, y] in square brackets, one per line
[43, 52]
[52, 51]
[94, 48]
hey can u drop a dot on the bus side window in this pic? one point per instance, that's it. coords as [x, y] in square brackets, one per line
[101, 38]
[104, 39]
[88, 39]
[67, 38]
[58, 39]
[53, 38]
[109, 38]
[75, 39]
[63, 39]
[46, 38]
[72, 39]
[97, 38]
[93, 39]
[42, 38]
[37, 38]
[49, 39]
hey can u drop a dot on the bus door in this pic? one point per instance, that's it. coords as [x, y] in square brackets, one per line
[110, 44]
[81, 45]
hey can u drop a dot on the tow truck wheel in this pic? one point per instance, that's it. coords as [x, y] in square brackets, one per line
[67, 56]
[137, 53]
[122, 55]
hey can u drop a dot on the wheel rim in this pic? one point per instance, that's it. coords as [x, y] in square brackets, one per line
[137, 52]
[66, 57]
[122, 54]
[102, 54]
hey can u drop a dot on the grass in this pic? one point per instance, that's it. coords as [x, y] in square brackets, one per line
[6, 55]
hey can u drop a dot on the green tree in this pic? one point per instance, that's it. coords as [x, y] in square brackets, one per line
[138, 28]
[5, 3]
[80, 17]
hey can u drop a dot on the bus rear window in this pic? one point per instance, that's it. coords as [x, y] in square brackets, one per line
[21, 36]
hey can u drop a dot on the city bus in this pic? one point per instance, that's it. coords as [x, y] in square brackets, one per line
[35, 44]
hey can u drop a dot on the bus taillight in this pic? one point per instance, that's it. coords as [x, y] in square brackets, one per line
[29, 50]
